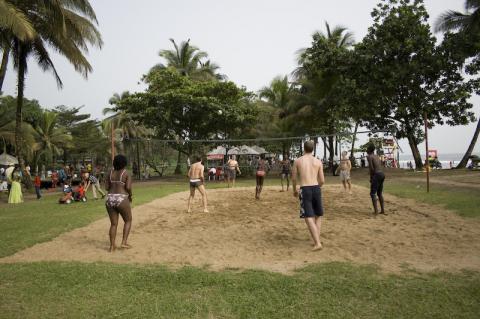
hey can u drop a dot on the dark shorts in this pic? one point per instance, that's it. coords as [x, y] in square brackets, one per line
[232, 173]
[376, 185]
[310, 201]
[196, 184]
[285, 174]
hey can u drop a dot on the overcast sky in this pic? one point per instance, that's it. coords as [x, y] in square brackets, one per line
[251, 40]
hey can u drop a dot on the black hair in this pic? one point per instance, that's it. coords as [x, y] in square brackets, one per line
[119, 162]
[262, 156]
[308, 146]
[370, 148]
[198, 158]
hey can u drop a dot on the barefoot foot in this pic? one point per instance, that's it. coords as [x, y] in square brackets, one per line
[205, 210]
[112, 249]
[125, 246]
[317, 247]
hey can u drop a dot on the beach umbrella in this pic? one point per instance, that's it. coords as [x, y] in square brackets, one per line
[8, 160]
[259, 150]
[234, 151]
[220, 150]
[247, 150]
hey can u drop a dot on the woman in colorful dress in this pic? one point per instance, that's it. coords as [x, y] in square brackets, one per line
[15, 196]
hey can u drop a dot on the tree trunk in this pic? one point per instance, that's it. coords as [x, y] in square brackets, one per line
[415, 152]
[352, 152]
[3, 66]
[464, 161]
[331, 150]
[22, 66]
[178, 168]
[138, 161]
[324, 140]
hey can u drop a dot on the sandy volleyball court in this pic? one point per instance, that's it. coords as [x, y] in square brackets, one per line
[240, 232]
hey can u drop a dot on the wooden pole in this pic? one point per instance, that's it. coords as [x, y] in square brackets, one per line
[112, 140]
[427, 163]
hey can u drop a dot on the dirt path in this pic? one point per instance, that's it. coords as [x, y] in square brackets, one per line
[240, 232]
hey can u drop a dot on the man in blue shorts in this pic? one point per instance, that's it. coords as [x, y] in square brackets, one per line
[309, 171]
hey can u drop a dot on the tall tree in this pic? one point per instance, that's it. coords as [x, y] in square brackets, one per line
[178, 108]
[51, 137]
[406, 76]
[189, 61]
[467, 25]
[279, 120]
[67, 27]
[321, 77]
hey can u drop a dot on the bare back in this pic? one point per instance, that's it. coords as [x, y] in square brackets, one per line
[196, 171]
[309, 171]
[374, 164]
[119, 182]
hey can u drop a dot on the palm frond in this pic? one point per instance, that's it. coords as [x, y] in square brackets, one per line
[15, 21]
[451, 21]
[44, 61]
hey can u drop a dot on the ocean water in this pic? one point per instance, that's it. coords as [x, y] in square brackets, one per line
[448, 160]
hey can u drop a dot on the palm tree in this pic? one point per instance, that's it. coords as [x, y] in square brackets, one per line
[123, 123]
[467, 24]
[13, 23]
[339, 37]
[51, 138]
[188, 60]
[314, 103]
[67, 27]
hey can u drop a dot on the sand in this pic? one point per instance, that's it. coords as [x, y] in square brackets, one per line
[242, 233]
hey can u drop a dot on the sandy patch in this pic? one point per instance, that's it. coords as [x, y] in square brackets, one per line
[240, 232]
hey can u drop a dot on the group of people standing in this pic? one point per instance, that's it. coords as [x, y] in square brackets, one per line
[307, 171]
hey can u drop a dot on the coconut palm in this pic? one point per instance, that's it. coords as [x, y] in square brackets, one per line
[65, 26]
[51, 138]
[123, 124]
[278, 94]
[468, 24]
[189, 61]
[339, 37]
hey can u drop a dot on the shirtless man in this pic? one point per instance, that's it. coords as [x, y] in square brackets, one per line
[196, 182]
[344, 168]
[377, 177]
[232, 169]
[310, 172]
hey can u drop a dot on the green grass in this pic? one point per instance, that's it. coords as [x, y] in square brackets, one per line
[461, 200]
[334, 290]
[32, 222]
